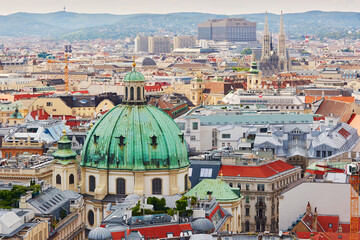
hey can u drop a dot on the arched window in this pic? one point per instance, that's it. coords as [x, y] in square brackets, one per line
[247, 226]
[156, 186]
[186, 182]
[58, 179]
[138, 93]
[91, 218]
[126, 93]
[120, 186]
[92, 184]
[131, 93]
[71, 179]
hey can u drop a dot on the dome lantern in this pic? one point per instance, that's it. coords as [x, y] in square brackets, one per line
[134, 83]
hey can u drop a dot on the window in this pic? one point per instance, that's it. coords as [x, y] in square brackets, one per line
[226, 136]
[92, 184]
[49, 104]
[247, 226]
[247, 199]
[317, 153]
[206, 172]
[126, 93]
[58, 179]
[186, 181]
[170, 235]
[181, 126]
[157, 186]
[91, 218]
[329, 153]
[195, 125]
[190, 172]
[261, 187]
[230, 184]
[138, 93]
[71, 179]
[120, 186]
[247, 187]
[192, 138]
[247, 211]
[131, 93]
[239, 185]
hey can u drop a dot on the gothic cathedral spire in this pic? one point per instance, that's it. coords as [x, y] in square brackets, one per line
[266, 45]
[283, 65]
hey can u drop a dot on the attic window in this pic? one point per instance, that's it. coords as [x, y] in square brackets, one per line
[121, 140]
[96, 138]
[153, 140]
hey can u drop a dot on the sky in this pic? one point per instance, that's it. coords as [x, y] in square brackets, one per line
[166, 6]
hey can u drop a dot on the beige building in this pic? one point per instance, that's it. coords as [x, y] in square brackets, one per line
[159, 44]
[260, 186]
[141, 44]
[60, 107]
[184, 41]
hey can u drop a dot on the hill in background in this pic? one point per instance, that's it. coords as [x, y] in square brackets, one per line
[80, 26]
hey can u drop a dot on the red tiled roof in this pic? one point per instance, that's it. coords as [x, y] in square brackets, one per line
[161, 231]
[325, 222]
[262, 171]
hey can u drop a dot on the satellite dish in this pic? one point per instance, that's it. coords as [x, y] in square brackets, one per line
[280, 233]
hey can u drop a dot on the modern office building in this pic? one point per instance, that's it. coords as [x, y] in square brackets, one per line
[158, 44]
[141, 44]
[229, 29]
[184, 41]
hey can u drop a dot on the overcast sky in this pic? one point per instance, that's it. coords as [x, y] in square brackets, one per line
[166, 6]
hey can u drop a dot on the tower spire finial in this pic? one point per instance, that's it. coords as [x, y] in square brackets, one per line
[266, 26]
[281, 23]
[134, 64]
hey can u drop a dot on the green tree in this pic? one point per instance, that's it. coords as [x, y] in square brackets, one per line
[246, 51]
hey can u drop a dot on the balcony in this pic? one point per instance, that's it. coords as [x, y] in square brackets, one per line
[260, 205]
[260, 218]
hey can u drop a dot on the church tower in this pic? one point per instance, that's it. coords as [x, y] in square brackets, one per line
[283, 62]
[266, 44]
[65, 172]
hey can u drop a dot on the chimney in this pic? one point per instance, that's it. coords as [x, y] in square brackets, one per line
[314, 227]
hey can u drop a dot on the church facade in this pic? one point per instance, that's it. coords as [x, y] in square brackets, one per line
[134, 148]
[274, 60]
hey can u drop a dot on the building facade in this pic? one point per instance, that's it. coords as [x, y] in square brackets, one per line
[260, 186]
[158, 44]
[229, 29]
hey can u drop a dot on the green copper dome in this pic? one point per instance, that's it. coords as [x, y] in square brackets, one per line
[135, 138]
[64, 153]
[254, 68]
[134, 76]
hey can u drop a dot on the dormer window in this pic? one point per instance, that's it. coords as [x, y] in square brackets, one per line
[181, 135]
[153, 140]
[96, 138]
[121, 140]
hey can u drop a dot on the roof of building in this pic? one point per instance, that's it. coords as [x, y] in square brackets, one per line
[202, 224]
[134, 76]
[100, 233]
[262, 171]
[135, 137]
[218, 188]
[64, 151]
[49, 200]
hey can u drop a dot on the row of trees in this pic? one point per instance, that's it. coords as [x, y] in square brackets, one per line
[10, 198]
[160, 207]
